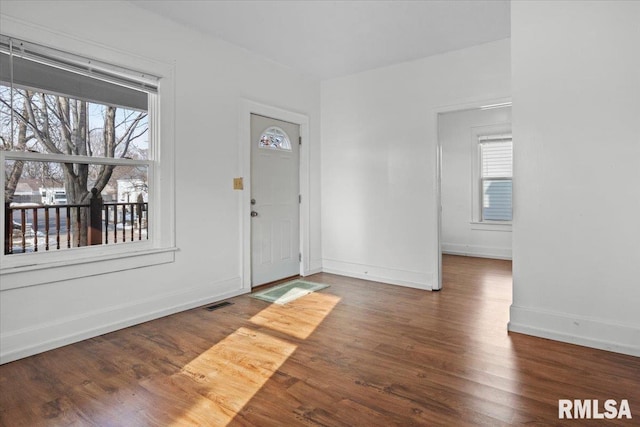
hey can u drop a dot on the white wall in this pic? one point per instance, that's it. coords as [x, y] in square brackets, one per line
[461, 234]
[576, 235]
[211, 78]
[378, 160]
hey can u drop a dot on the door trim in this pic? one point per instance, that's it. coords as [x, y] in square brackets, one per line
[248, 107]
[437, 111]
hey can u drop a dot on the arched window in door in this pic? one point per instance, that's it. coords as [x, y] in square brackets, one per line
[275, 138]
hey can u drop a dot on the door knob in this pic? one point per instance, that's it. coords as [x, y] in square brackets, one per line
[254, 213]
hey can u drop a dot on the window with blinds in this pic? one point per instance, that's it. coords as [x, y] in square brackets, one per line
[496, 175]
[77, 151]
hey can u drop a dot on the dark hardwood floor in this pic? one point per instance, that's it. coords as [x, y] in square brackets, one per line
[355, 354]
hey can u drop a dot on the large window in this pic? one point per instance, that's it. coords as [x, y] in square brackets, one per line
[496, 174]
[77, 151]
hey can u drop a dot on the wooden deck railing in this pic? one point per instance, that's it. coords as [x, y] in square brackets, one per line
[36, 228]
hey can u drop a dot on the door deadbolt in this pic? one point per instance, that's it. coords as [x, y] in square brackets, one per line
[253, 201]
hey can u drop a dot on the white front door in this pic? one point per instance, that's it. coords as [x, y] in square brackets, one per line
[275, 212]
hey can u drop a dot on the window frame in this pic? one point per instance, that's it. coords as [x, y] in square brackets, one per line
[20, 270]
[478, 134]
[483, 141]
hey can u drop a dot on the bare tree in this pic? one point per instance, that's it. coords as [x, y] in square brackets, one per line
[12, 174]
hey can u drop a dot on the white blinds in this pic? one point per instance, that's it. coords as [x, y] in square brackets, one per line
[27, 65]
[497, 158]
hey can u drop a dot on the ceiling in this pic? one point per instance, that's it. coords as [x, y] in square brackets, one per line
[326, 39]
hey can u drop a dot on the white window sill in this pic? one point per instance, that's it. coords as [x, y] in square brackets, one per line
[491, 226]
[49, 272]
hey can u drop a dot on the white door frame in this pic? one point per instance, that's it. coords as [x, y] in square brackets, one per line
[248, 107]
[438, 170]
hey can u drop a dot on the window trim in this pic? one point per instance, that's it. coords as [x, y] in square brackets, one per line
[161, 246]
[98, 264]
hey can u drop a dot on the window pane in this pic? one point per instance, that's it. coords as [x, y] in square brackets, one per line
[496, 200]
[496, 158]
[64, 125]
[275, 138]
[49, 212]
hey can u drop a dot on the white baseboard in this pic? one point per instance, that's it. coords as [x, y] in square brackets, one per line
[379, 274]
[33, 340]
[476, 251]
[578, 330]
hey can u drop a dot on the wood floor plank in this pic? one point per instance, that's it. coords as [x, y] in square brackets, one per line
[358, 353]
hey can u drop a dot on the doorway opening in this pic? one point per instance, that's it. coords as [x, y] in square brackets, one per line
[474, 182]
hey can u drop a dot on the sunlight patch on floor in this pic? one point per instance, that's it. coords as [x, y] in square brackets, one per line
[298, 318]
[230, 373]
